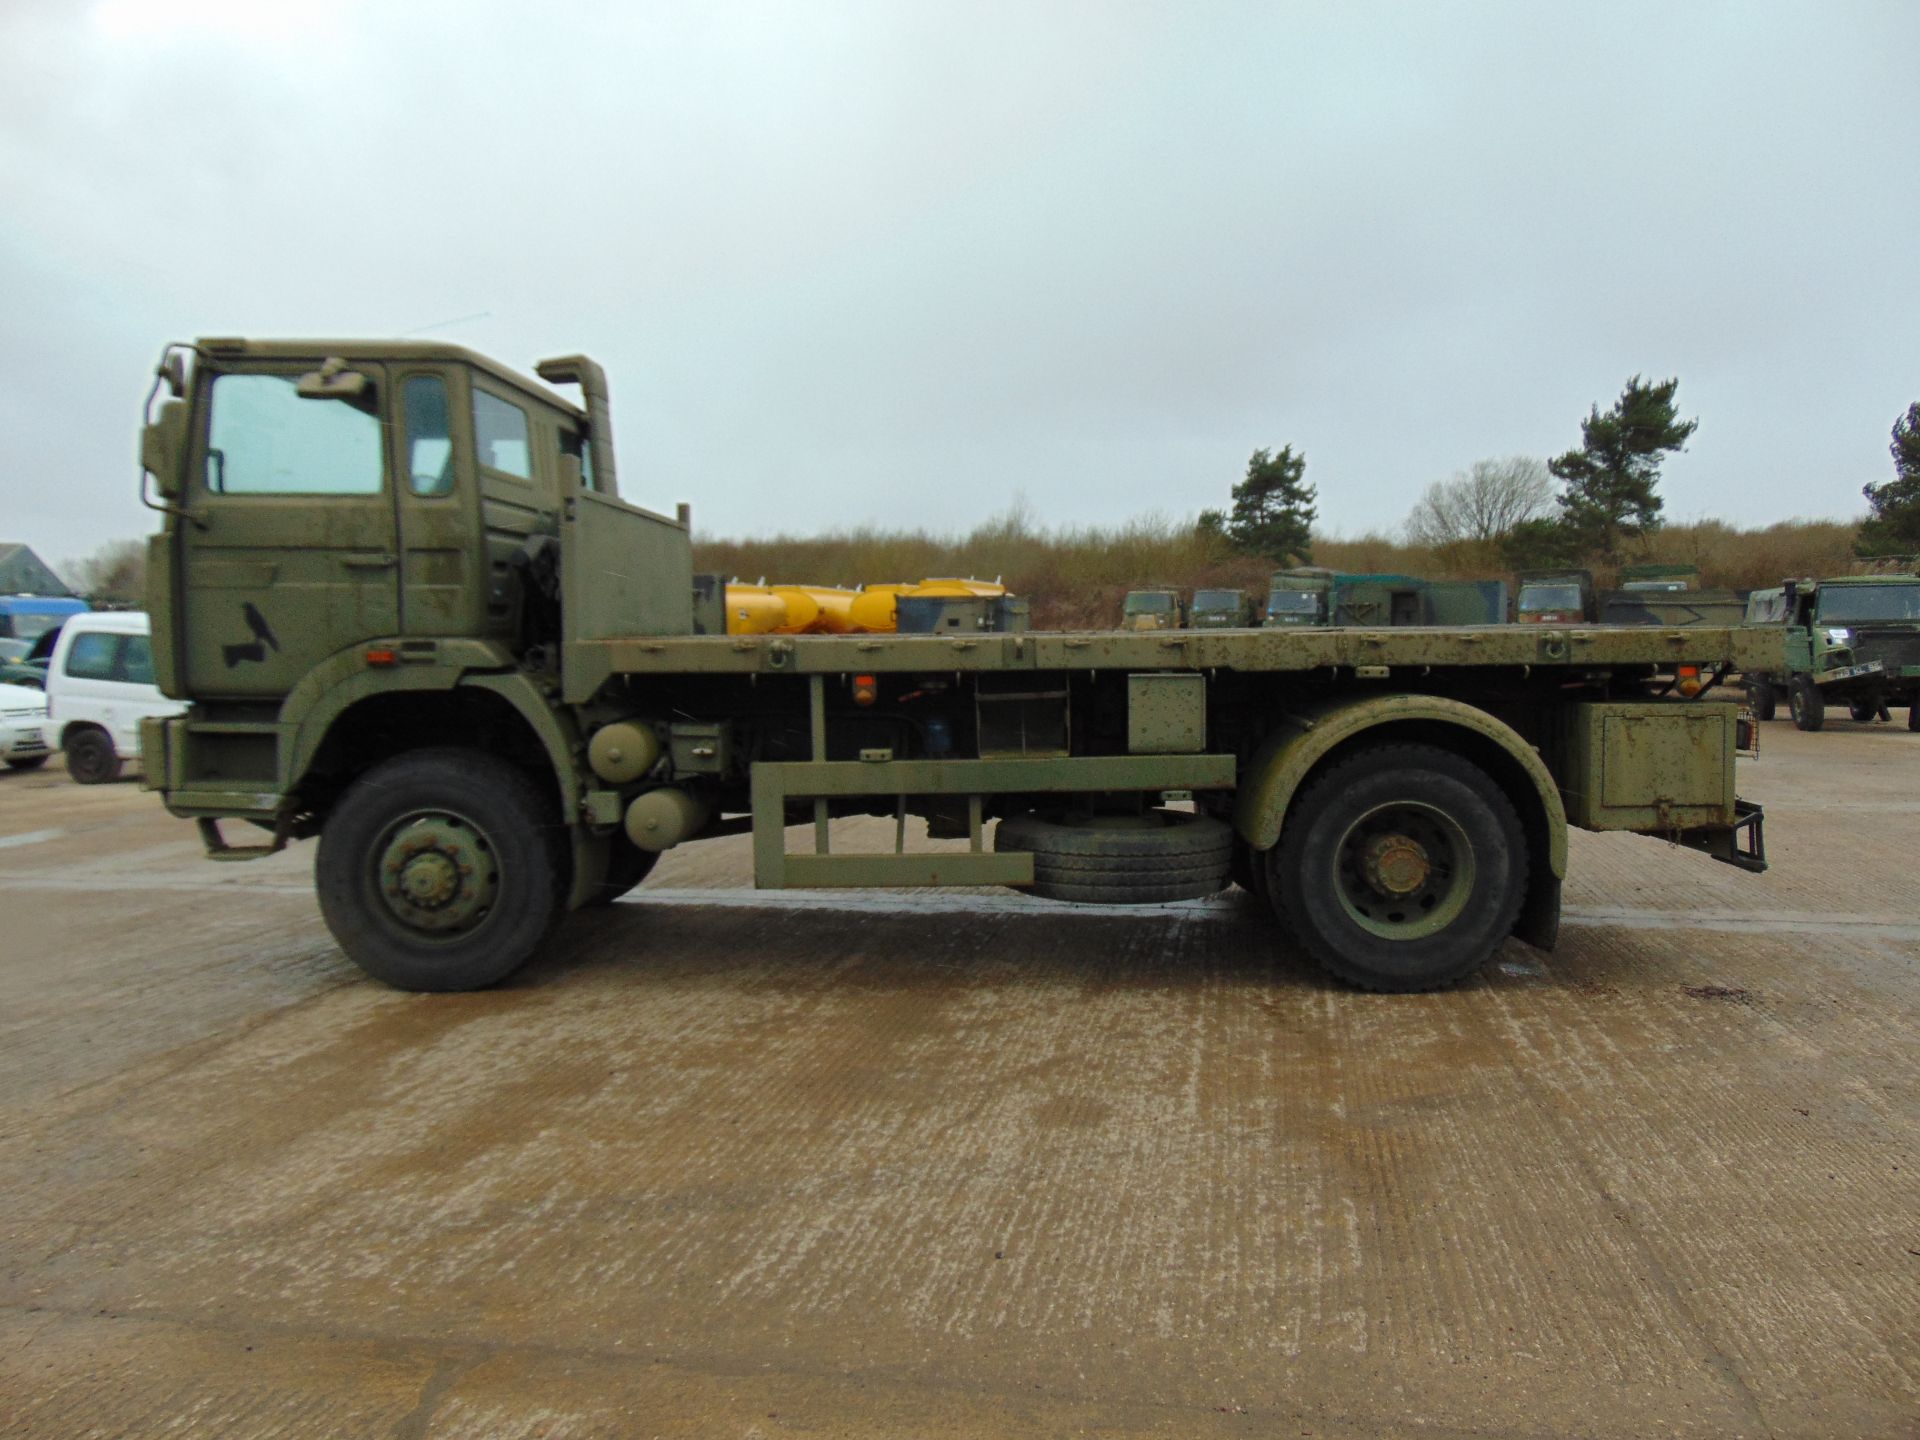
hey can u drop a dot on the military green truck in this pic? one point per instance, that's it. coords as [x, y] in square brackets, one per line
[1220, 610]
[1298, 597]
[414, 619]
[1668, 595]
[1154, 608]
[1554, 597]
[1852, 640]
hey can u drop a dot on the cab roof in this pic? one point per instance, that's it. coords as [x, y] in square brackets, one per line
[382, 350]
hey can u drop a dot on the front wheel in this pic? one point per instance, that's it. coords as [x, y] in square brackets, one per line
[1809, 706]
[441, 870]
[1401, 868]
[1761, 699]
[91, 758]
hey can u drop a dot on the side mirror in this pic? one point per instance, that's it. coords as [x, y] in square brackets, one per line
[333, 381]
[162, 444]
[173, 370]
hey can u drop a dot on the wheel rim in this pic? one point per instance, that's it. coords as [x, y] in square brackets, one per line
[1404, 870]
[437, 874]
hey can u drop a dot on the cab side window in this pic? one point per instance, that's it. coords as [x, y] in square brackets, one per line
[136, 660]
[93, 656]
[500, 435]
[429, 436]
[265, 440]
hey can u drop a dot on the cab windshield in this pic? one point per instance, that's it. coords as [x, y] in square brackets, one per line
[1294, 602]
[1155, 604]
[1849, 603]
[1550, 597]
[1216, 599]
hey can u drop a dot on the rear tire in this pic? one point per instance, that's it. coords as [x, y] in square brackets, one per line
[1861, 711]
[1913, 715]
[91, 758]
[1122, 860]
[1809, 706]
[1761, 699]
[442, 870]
[1401, 868]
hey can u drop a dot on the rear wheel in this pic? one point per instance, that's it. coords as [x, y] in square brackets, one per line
[1761, 699]
[91, 758]
[1862, 710]
[1809, 706]
[441, 870]
[1913, 715]
[1401, 868]
[1122, 859]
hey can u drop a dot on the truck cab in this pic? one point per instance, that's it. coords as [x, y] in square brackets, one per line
[1155, 608]
[1221, 610]
[1554, 597]
[1298, 597]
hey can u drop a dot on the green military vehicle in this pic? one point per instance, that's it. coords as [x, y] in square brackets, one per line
[415, 620]
[1554, 597]
[1220, 610]
[1156, 608]
[1668, 596]
[1853, 640]
[1298, 597]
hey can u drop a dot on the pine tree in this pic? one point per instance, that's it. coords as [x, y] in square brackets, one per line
[1894, 526]
[1273, 509]
[1610, 479]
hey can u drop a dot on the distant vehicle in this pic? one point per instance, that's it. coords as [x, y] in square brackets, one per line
[23, 727]
[1669, 596]
[27, 617]
[1554, 597]
[1463, 602]
[1298, 597]
[1221, 610]
[1852, 640]
[13, 672]
[99, 688]
[1153, 609]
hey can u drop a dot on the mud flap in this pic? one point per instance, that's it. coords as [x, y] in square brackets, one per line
[1539, 920]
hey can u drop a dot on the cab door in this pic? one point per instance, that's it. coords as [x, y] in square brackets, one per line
[291, 553]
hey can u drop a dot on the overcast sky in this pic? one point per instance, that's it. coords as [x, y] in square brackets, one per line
[900, 263]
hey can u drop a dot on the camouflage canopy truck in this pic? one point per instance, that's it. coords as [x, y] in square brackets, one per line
[1554, 597]
[1155, 608]
[1669, 595]
[1220, 610]
[415, 620]
[1853, 641]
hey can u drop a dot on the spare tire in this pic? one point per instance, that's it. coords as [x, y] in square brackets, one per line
[1140, 859]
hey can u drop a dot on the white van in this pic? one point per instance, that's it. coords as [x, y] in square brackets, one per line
[99, 688]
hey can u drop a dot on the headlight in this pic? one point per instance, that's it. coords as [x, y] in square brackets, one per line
[1839, 635]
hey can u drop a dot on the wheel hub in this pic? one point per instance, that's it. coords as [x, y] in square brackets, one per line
[437, 873]
[1395, 865]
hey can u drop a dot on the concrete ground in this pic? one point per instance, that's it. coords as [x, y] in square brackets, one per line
[956, 1164]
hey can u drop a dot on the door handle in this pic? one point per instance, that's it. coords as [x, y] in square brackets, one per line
[367, 562]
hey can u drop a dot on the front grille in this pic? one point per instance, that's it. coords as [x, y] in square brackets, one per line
[1892, 648]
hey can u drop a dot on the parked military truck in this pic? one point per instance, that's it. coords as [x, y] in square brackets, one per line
[1220, 610]
[1154, 608]
[414, 619]
[1852, 640]
[1554, 597]
[1669, 595]
[1298, 597]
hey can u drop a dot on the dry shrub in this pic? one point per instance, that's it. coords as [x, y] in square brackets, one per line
[1074, 577]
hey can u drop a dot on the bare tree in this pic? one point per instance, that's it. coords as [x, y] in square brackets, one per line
[115, 574]
[1478, 508]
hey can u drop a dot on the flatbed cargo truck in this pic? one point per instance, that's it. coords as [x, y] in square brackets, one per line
[413, 618]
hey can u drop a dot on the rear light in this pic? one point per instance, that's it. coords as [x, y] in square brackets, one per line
[1689, 681]
[866, 689]
[383, 657]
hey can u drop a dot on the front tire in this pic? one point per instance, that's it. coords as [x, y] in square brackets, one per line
[1401, 868]
[1762, 699]
[1809, 706]
[91, 758]
[442, 870]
